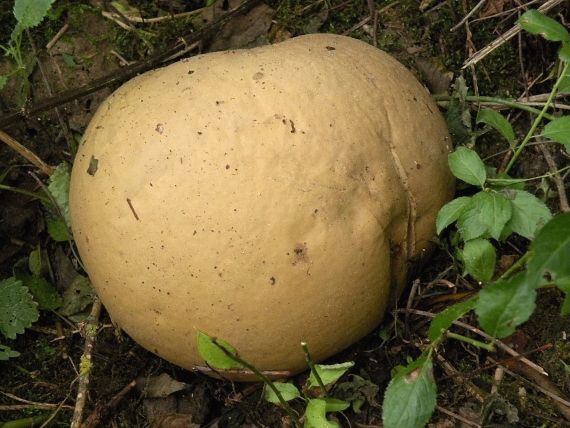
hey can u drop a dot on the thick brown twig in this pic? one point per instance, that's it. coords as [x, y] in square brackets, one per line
[26, 153]
[90, 332]
[117, 77]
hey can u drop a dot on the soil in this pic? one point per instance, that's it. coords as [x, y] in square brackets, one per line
[419, 35]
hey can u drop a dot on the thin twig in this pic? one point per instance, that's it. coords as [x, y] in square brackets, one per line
[564, 207]
[27, 403]
[481, 333]
[26, 153]
[311, 365]
[141, 20]
[499, 41]
[469, 15]
[58, 36]
[458, 417]
[90, 331]
[102, 411]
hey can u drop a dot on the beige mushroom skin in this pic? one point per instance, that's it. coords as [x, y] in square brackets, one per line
[266, 197]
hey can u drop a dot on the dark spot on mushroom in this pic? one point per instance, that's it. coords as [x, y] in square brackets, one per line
[300, 253]
[272, 280]
[159, 128]
[330, 48]
[227, 166]
[292, 126]
[257, 76]
[199, 133]
[93, 164]
[190, 71]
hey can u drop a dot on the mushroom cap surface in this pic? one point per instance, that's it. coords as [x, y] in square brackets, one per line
[265, 197]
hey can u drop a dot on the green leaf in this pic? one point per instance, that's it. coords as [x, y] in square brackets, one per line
[17, 308]
[69, 60]
[469, 223]
[536, 23]
[458, 115]
[564, 53]
[504, 305]
[336, 405]
[498, 122]
[410, 398]
[529, 213]
[6, 353]
[558, 130]
[551, 252]
[30, 13]
[210, 350]
[78, 295]
[466, 165]
[288, 392]
[504, 180]
[446, 318]
[316, 414]
[59, 188]
[486, 215]
[329, 373]
[357, 391]
[44, 293]
[564, 85]
[3, 81]
[479, 259]
[58, 230]
[37, 262]
[450, 212]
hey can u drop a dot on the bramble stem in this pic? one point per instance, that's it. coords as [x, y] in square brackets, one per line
[311, 365]
[538, 119]
[487, 346]
[515, 266]
[496, 100]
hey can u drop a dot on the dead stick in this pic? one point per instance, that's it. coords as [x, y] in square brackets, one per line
[26, 153]
[90, 332]
[126, 73]
[102, 411]
[564, 207]
[479, 55]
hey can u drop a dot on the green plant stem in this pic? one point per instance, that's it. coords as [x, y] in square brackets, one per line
[292, 414]
[515, 266]
[25, 422]
[522, 180]
[25, 192]
[487, 346]
[311, 365]
[537, 120]
[496, 100]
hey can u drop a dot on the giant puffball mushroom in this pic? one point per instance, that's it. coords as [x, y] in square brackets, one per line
[267, 197]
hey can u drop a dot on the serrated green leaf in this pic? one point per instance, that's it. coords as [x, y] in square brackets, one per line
[529, 213]
[210, 350]
[57, 229]
[479, 258]
[504, 305]
[30, 13]
[446, 318]
[288, 392]
[6, 353]
[536, 23]
[450, 212]
[316, 415]
[498, 122]
[410, 399]
[558, 130]
[17, 308]
[564, 52]
[551, 252]
[466, 165]
[329, 373]
[496, 211]
[3, 81]
[59, 188]
[44, 293]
